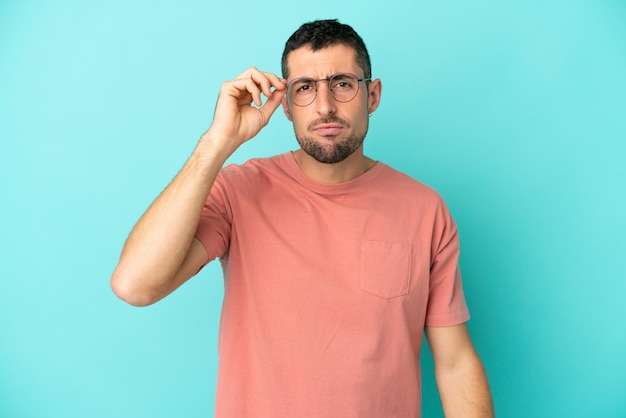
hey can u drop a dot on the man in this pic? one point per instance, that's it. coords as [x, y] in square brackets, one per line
[334, 263]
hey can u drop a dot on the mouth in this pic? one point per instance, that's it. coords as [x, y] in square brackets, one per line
[328, 129]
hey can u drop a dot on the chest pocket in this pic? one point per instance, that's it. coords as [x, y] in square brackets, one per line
[385, 268]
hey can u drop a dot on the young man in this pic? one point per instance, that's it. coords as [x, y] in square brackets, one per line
[334, 264]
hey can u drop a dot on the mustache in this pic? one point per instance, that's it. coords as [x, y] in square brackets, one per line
[329, 119]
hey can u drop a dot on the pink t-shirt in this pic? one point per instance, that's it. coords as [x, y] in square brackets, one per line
[328, 288]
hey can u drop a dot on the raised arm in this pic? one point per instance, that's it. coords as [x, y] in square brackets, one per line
[161, 252]
[459, 372]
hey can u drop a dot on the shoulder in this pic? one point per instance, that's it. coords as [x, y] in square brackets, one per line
[253, 177]
[407, 187]
[412, 199]
[253, 168]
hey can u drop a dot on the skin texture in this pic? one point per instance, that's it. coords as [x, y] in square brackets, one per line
[161, 252]
[312, 123]
[460, 375]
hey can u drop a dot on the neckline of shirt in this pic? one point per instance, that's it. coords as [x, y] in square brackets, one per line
[330, 188]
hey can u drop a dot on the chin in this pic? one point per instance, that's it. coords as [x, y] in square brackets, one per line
[331, 152]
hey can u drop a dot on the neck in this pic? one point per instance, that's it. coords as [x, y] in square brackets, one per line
[346, 170]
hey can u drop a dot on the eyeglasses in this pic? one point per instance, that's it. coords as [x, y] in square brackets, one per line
[343, 88]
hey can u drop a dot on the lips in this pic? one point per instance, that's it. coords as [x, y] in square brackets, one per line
[328, 129]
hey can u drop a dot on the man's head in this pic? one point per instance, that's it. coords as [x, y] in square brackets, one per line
[329, 94]
[321, 34]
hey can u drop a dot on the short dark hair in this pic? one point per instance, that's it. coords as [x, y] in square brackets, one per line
[321, 34]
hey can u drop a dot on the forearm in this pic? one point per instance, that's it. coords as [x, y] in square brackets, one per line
[159, 254]
[160, 241]
[464, 389]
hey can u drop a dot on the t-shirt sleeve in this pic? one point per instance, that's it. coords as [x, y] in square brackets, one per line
[446, 301]
[215, 223]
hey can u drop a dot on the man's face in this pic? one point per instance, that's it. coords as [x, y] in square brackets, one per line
[328, 130]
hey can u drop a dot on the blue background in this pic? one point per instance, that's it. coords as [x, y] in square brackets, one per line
[514, 111]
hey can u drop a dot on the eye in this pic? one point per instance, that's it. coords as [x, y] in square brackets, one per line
[342, 82]
[304, 86]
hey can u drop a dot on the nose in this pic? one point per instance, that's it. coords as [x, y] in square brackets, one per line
[324, 101]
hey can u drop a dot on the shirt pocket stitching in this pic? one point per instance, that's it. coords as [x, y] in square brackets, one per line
[385, 268]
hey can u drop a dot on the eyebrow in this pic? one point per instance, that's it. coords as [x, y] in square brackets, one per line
[326, 78]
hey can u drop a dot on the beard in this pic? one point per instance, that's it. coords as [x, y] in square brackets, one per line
[331, 152]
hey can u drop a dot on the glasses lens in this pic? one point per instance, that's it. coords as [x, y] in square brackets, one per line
[302, 91]
[344, 87]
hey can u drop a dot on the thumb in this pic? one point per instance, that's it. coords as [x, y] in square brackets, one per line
[271, 104]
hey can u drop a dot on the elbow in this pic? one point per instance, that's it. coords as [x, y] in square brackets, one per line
[125, 288]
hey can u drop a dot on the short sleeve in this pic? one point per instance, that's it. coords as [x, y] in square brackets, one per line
[215, 223]
[446, 301]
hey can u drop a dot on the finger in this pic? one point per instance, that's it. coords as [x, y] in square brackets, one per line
[276, 82]
[270, 106]
[265, 80]
[268, 85]
[254, 90]
[243, 90]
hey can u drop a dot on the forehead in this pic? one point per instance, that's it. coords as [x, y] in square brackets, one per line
[304, 62]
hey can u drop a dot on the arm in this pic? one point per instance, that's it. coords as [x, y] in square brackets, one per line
[460, 374]
[161, 252]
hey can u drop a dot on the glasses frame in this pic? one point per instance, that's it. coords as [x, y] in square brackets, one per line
[328, 79]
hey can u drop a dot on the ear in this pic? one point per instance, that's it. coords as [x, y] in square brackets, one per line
[374, 90]
[285, 104]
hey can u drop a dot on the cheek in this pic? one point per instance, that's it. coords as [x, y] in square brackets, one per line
[360, 119]
[299, 120]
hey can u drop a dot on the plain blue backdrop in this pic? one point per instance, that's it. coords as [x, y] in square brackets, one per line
[515, 111]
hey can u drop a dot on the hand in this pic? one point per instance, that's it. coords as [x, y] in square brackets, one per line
[236, 120]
